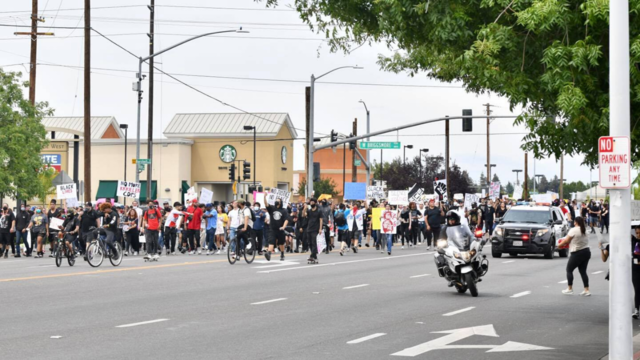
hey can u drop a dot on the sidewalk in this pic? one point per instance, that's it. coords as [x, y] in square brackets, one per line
[636, 348]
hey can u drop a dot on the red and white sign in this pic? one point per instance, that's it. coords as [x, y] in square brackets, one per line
[614, 157]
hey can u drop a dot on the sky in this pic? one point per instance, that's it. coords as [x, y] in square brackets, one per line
[279, 47]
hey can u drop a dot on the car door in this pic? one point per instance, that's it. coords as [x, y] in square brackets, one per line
[557, 229]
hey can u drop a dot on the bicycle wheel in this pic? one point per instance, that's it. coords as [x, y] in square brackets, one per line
[250, 251]
[115, 261]
[71, 257]
[95, 255]
[59, 251]
[231, 256]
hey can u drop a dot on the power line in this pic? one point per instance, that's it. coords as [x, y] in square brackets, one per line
[175, 34]
[177, 21]
[167, 6]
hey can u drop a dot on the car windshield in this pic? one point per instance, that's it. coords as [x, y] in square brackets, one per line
[527, 216]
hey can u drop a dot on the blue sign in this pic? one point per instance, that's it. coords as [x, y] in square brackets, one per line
[52, 160]
[355, 191]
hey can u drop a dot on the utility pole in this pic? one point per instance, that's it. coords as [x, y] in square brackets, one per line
[307, 104]
[525, 190]
[354, 171]
[87, 99]
[561, 176]
[152, 11]
[344, 167]
[34, 53]
[488, 143]
[446, 161]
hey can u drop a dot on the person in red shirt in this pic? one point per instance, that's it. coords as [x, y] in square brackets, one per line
[193, 227]
[151, 225]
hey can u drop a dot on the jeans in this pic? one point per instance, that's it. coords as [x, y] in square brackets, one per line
[377, 240]
[151, 237]
[211, 237]
[170, 234]
[433, 234]
[389, 241]
[23, 236]
[193, 238]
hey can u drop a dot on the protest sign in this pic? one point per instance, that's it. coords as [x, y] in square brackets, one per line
[278, 194]
[129, 189]
[355, 191]
[66, 191]
[440, 188]
[376, 213]
[517, 192]
[72, 202]
[470, 199]
[494, 190]
[375, 193]
[191, 195]
[206, 196]
[398, 197]
[415, 193]
[55, 223]
[259, 197]
[389, 222]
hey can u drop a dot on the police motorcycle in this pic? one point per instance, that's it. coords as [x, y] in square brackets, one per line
[459, 257]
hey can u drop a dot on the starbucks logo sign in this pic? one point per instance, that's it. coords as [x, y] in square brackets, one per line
[228, 153]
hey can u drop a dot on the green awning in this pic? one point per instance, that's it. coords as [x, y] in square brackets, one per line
[107, 189]
[185, 188]
[143, 191]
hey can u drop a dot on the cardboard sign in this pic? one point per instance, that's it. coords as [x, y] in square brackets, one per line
[55, 223]
[375, 193]
[191, 195]
[355, 191]
[415, 193]
[389, 222]
[494, 190]
[206, 196]
[278, 194]
[440, 188]
[129, 189]
[258, 197]
[470, 199]
[399, 197]
[517, 192]
[376, 213]
[66, 191]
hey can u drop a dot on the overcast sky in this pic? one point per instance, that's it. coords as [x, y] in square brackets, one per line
[279, 47]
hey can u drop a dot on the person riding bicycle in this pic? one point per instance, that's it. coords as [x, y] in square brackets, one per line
[110, 225]
[246, 224]
[279, 221]
[71, 229]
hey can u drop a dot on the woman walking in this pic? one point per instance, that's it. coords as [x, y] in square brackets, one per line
[604, 216]
[220, 226]
[131, 232]
[578, 243]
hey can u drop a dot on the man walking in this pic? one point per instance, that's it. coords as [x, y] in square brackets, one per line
[434, 216]
[193, 227]
[314, 228]
[279, 221]
[211, 217]
[22, 223]
[151, 226]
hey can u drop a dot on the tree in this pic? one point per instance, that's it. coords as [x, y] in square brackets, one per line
[483, 179]
[324, 186]
[548, 56]
[509, 188]
[542, 185]
[22, 136]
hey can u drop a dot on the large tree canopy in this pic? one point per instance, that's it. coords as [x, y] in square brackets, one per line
[548, 56]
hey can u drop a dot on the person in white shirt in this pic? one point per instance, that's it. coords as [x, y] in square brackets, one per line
[234, 221]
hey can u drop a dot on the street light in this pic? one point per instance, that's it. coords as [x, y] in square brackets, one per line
[425, 163]
[369, 139]
[517, 171]
[125, 127]
[255, 165]
[137, 87]
[311, 119]
[404, 153]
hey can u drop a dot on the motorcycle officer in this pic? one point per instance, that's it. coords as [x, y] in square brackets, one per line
[457, 234]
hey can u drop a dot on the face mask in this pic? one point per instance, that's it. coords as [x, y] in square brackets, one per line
[22, 208]
[38, 211]
[256, 208]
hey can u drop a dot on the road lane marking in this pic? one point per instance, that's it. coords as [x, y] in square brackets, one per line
[354, 286]
[142, 323]
[597, 272]
[459, 311]
[341, 263]
[363, 339]
[507, 262]
[524, 293]
[418, 276]
[563, 282]
[268, 301]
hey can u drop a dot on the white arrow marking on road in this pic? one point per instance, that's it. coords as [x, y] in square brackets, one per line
[363, 339]
[524, 293]
[459, 334]
[597, 272]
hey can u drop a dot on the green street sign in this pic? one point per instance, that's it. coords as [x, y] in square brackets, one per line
[140, 167]
[143, 162]
[357, 162]
[374, 145]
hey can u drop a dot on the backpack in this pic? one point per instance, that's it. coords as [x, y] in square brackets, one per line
[340, 219]
[253, 214]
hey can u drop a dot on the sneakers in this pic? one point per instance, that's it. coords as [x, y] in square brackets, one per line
[389, 252]
[567, 292]
[218, 253]
[635, 314]
[585, 293]
[281, 256]
[192, 252]
[367, 245]
[136, 253]
[208, 252]
[377, 247]
[428, 248]
[341, 253]
[402, 247]
[355, 250]
[267, 255]
[156, 257]
[200, 252]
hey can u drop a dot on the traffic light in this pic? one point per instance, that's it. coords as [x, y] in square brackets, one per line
[334, 136]
[467, 124]
[246, 170]
[232, 172]
[316, 171]
[352, 144]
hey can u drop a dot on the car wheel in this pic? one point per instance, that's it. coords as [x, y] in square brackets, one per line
[550, 252]
[496, 254]
[563, 253]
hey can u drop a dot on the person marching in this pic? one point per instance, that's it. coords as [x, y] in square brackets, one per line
[578, 242]
[343, 228]
[314, 228]
[279, 220]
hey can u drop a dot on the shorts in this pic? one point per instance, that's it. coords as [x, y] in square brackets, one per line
[593, 220]
[355, 235]
[277, 237]
[5, 238]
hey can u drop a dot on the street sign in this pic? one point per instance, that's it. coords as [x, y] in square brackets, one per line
[133, 161]
[144, 161]
[140, 167]
[614, 157]
[357, 162]
[373, 145]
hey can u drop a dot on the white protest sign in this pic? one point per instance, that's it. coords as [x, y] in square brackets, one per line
[72, 202]
[614, 157]
[388, 222]
[66, 191]
[470, 199]
[398, 197]
[517, 192]
[415, 193]
[259, 197]
[494, 190]
[191, 195]
[440, 188]
[375, 193]
[129, 189]
[55, 223]
[278, 194]
[206, 196]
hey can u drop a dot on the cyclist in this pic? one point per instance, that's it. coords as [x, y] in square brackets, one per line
[279, 221]
[71, 228]
[244, 230]
[110, 225]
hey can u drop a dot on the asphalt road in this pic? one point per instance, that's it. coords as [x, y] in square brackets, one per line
[361, 306]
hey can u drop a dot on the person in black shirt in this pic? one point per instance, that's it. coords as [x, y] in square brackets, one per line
[22, 223]
[7, 227]
[71, 228]
[489, 215]
[414, 225]
[434, 215]
[314, 228]
[604, 218]
[88, 219]
[501, 210]
[279, 218]
[110, 225]
[53, 212]
[594, 212]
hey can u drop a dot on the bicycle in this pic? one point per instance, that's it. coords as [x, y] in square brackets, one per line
[61, 249]
[98, 248]
[249, 250]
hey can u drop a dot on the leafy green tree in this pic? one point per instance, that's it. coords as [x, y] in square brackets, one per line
[548, 56]
[22, 136]
[483, 180]
[324, 186]
[509, 188]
